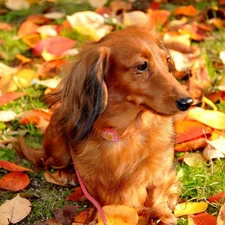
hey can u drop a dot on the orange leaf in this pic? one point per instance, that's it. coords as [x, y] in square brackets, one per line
[53, 45]
[27, 28]
[77, 195]
[188, 130]
[201, 219]
[186, 10]
[84, 217]
[191, 145]
[158, 17]
[6, 98]
[217, 198]
[119, 214]
[34, 116]
[13, 167]
[5, 26]
[14, 181]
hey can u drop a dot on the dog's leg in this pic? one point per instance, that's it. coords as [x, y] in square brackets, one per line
[162, 200]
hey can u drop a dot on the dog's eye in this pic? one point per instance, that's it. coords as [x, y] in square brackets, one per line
[143, 66]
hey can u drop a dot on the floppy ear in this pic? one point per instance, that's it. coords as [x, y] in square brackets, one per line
[83, 91]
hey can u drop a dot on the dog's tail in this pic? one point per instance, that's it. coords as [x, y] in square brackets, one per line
[36, 155]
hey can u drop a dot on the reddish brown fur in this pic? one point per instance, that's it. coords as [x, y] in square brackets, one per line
[137, 169]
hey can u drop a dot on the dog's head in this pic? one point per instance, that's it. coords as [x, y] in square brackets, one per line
[130, 65]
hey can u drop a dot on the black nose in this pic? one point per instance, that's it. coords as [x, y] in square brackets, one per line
[184, 103]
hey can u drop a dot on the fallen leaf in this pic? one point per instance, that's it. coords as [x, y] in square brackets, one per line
[85, 217]
[214, 119]
[194, 159]
[14, 210]
[32, 40]
[119, 214]
[61, 177]
[14, 181]
[186, 11]
[27, 28]
[6, 70]
[215, 149]
[191, 145]
[187, 130]
[135, 17]
[47, 31]
[13, 167]
[53, 45]
[77, 195]
[17, 5]
[158, 17]
[89, 23]
[220, 197]
[222, 56]
[188, 208]
[5, 26]
[221, 216]
[54, 15]
[201, 219]
[6, 98]
[24, 77]
[23, 58]
[8, 115]
[97, 3]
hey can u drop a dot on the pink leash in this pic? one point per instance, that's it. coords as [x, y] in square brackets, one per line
[91, 199]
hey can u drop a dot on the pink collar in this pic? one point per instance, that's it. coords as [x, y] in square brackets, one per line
[110, 134]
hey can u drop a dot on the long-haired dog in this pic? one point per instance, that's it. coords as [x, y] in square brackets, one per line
[114, 122]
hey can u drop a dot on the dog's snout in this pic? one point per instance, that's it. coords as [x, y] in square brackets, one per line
[184, 103]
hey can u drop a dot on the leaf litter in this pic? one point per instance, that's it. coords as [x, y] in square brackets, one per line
[183, 29]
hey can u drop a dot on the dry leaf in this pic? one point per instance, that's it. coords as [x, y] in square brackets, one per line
[77, 195]
[6, 98]
[201, 219]
[158, 17]
[221, 216]
[6, 116]
[135, 17]
[215, 149]
[84, 217]
[217, 198]
[194, 159]
[186, 10]
[6, 70]
[188, 208]
[54, 15]
[17, 5]
[23, 58]
[214, 119]
[27, 28]
[119, 214]
[47, 31]
[89, 23]
[97, 3]
[24, 78]
[187, 130]
[14, 210]
[222, 56]
[13, 167]
[14, 181]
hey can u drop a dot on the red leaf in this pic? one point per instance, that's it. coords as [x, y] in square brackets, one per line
[6, 98]
[14, 181]
[189, 130]
[12, 167]
[77, 195]
[202, 219]
[53, 45]
[217, 197]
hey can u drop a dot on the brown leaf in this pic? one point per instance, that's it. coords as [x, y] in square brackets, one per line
[201, 219]
[194, 159]
[13, 167]
[84, 217]
[14, 181]
[186, 11]
[6, 98]
[221, 216]
[14, 210]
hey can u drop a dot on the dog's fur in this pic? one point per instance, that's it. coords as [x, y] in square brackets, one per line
[111, 87]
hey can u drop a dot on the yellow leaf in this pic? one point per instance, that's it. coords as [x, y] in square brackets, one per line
[24, 78]
[187, 208]
[119, 214]
[14, 210]
[214, 119]
[47, 56]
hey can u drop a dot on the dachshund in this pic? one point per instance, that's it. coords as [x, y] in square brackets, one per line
[114, 122]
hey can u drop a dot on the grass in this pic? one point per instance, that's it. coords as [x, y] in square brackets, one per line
[198, 183]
